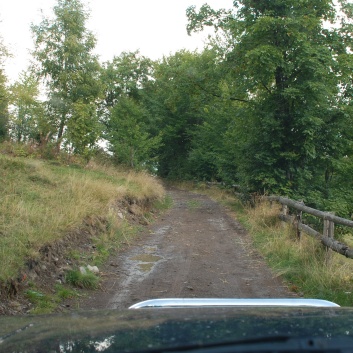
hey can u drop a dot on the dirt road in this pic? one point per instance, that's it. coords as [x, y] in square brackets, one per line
[194, 250]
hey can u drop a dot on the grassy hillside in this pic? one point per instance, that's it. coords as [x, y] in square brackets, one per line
[42, 201]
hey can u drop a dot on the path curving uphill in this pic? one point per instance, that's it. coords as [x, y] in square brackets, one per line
[195, 250]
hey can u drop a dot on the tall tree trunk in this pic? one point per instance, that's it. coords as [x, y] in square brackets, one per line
[60, 132]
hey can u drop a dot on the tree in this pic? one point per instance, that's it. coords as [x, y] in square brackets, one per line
[83, 128]
[3, 94]
[177, 99]
[63, 50]
[125, 75]
[285, 63]
[128, 136]
[123, 112]
[27, 113]
[210, 157]
[3, 107]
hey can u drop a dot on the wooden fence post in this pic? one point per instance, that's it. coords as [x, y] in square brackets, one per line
[284, 213]
[329, 230]
[298, 222]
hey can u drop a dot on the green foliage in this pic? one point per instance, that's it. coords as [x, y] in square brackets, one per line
[84, 128]
[124, 114]
[88, 280]
[4, 99]
[63, 50]
[210, 156]
[125, 75]
[128, 136]
[267, 104]
[3, 107]
[179, 99]
[336, 191]
[285, 65]
[27, 121]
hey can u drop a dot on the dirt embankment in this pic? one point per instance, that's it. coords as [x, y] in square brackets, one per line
[42, 274]
[195, 250]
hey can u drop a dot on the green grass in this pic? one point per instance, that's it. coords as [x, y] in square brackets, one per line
[82, 280]
[46, 303]
[64, 292]
[42, 303]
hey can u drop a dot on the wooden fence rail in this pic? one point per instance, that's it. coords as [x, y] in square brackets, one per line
[327, 238]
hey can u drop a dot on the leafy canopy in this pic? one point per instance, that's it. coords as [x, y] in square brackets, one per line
[286, 61]
[63, 51]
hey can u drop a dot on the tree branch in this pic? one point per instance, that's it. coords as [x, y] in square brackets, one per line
[266, 88]
[219, 96]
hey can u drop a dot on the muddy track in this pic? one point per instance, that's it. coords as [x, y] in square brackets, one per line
[195, 250]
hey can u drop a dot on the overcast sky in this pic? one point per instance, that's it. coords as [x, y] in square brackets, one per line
[155, 27]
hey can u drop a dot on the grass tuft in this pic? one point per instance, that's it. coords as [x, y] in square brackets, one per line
[42, 303]
[86, 280]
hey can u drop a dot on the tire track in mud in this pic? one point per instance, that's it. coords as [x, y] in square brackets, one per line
[196, 250]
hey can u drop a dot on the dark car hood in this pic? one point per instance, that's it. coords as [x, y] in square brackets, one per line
[144, 329]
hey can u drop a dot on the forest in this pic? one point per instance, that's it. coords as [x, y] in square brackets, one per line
[266, 105]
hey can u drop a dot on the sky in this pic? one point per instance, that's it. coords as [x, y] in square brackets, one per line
[155, 27]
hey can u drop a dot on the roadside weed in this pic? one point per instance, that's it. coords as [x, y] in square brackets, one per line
[42, 303]
[65, 293]
[86, 280]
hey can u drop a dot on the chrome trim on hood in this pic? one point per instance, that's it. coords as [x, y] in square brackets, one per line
[209, 302]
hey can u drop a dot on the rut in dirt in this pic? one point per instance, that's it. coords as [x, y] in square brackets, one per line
[196, 250]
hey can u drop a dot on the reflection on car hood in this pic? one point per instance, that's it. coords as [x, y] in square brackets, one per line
[144, 329]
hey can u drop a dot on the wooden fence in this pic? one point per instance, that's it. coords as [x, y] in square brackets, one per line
[327, 236]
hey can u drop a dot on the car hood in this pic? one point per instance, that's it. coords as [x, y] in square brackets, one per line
[152, 329]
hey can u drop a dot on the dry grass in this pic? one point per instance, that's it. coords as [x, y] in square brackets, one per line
[303, 264]
[41, 202]
[141, 185]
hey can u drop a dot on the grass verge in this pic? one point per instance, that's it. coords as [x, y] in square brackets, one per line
[302, 263]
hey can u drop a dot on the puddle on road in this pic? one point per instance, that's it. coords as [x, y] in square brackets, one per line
[146, 261]
[138, 264]
[146, 258]
[145, 267]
